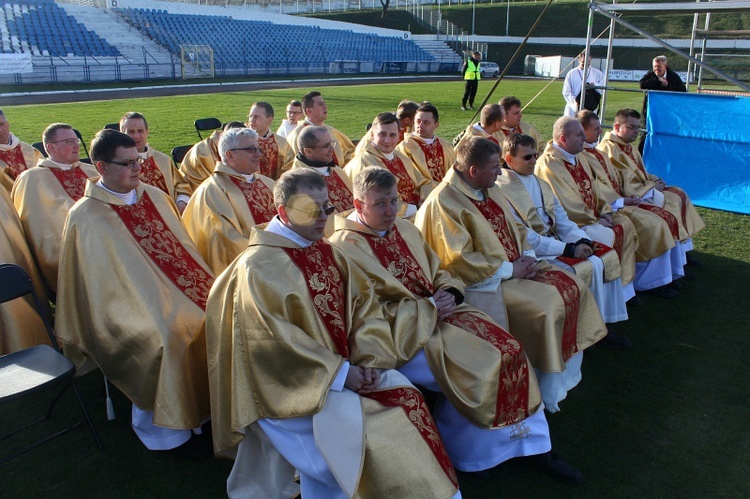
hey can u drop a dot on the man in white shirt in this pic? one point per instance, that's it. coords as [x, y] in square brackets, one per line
[574, 82]
[293, 112]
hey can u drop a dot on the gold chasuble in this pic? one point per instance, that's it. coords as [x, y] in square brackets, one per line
[132, 297]
[42, 196]
[432, 160]
[524, 128]
[339, 186]
[578, 192]
[657, 228]
[276, 345]
[518, 196]
[222, 211]
[200, 161]
[16, 158]
[473, 131]
[636, 181]
[159, 170]
[276, 155]
[501, 389]
[342, 152]
[20, 324]
[413, 186]
[553, 315]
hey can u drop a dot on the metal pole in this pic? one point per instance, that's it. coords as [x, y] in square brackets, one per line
[586, 57]
[507, 19]
[473, 15]
[692, 50]
[703, 51]
[608, 66]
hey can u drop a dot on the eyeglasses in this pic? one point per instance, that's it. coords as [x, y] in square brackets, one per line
[317, 211]
[251, 149]
[330, 145]
[528, 157]
[130, 165]
[69, 142]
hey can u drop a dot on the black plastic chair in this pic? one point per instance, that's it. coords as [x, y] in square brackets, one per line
[83, 142]
[112, 126]
[32, 370]
[39, 146]
[179, 152]
[206, 124]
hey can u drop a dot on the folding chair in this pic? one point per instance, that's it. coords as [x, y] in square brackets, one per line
[206, 124]
[39, 146]
[83, 142]
[112, 126]
[35, 369]
[179, 152]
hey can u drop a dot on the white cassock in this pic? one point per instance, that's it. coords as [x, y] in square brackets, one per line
[572, 87]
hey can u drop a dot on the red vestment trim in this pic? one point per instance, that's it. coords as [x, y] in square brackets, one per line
[401, 133]
[683, 197]
[338, 192]
[15, 163]
[259, 199]
[583, 181]
[570, 294]
[491, 211]
[619, 231]
[513, 386]
[151, 175]
[394, 254]
[73, 181]
[151, 232]
[418, 414]
[600, 158]
[269, 159]
[407, 189]
[435, 159]
[665, 215]
[326, 287]
[599, 250]
[628, 149]
[515, 129]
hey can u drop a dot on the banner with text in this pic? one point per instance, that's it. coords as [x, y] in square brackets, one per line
[15, 63]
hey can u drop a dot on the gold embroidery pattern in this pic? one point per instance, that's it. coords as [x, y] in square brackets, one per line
[14, 161]
[338, 193]
[570, 295]
[435, 159]
[583, 182]
[394, 254]
[151, 175]
[153, 235]
[628, 149]
[269, 159]
[684, 201]
[495, 216]
[259, 199]
[406, 187]
[73, 181]
[600, 158]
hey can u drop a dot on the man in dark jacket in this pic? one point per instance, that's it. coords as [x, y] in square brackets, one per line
[660, 78]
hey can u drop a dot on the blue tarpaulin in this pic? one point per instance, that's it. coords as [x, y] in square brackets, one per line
[701, 143]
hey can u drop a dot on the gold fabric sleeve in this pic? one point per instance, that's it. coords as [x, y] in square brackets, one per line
[409, 147]
[176, 181]
[200, 161]
[31, 157]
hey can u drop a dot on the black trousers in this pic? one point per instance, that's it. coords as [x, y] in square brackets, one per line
[470, 92]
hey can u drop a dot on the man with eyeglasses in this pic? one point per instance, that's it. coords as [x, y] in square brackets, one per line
[132, 294]
[413, 184]
[157, 168]
[558, 240]
[637, 181]
[15, 156]
[316, 113]
[42, 196]
[436, 334]
[276, 155]
[235, 198]
[293, 114]
[303, 363]
[513, 123]
[316, 147]
[551, 312]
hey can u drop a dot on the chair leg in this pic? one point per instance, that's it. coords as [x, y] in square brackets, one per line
[53, 403]
[86, 416]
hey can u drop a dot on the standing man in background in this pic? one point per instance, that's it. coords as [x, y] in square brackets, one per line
[470, 70]
[659, 78]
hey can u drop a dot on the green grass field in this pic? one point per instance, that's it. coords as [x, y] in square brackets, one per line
[665, 419]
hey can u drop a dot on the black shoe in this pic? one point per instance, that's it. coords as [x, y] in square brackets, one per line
[615, 341]
[634, 301]
[692, 262]
[663, 292]
[558, 469]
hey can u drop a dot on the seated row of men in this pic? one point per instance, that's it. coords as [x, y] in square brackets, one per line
[293, 351]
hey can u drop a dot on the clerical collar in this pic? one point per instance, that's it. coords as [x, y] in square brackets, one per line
[479, 193]
[478, 126]
[127, 198]
[591, 145]
[570, 158]
[144, 154]
[249, 177]
[426, 141]
[314, 164]
[389, 156]
[354, 217]
[62, 166]
[277, 227]
[265, 135]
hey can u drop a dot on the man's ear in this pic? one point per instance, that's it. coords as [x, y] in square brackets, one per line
[283, 215]
[99, 165]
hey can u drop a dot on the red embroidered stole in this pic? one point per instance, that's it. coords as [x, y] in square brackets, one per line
[269, 159]
[665, 215]
[498, 221]
[619, 231]
[15, 163]
[417, 412]
[151, 175]
[73, 181]
[515, 129]
[326, 287]
[583, 181]
[338, 192]
[407, 189]
[395, 256]
[683, 197]
[259, 199]
[493, 139]
[434, 157]
[600, 158]
[570, 294]
[628, 149]
[599, 249]
[150, 231]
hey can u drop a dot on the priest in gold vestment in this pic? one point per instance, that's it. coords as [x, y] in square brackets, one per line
[15, 156]
[300, 352]
[200, 161]
[276, 153]
[42, 196]
[157, 169]
[513, 123]
[431, 155]
[468, 222]
[231, 201]
[489, 124]
[132, 296]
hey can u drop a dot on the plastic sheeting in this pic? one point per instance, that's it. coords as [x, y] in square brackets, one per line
[701, 143]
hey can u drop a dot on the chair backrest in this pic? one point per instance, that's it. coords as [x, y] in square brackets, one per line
[112, 126]
[39, 146]
[83, 142]
[206, 124]
[16, 284]
[179, 152]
